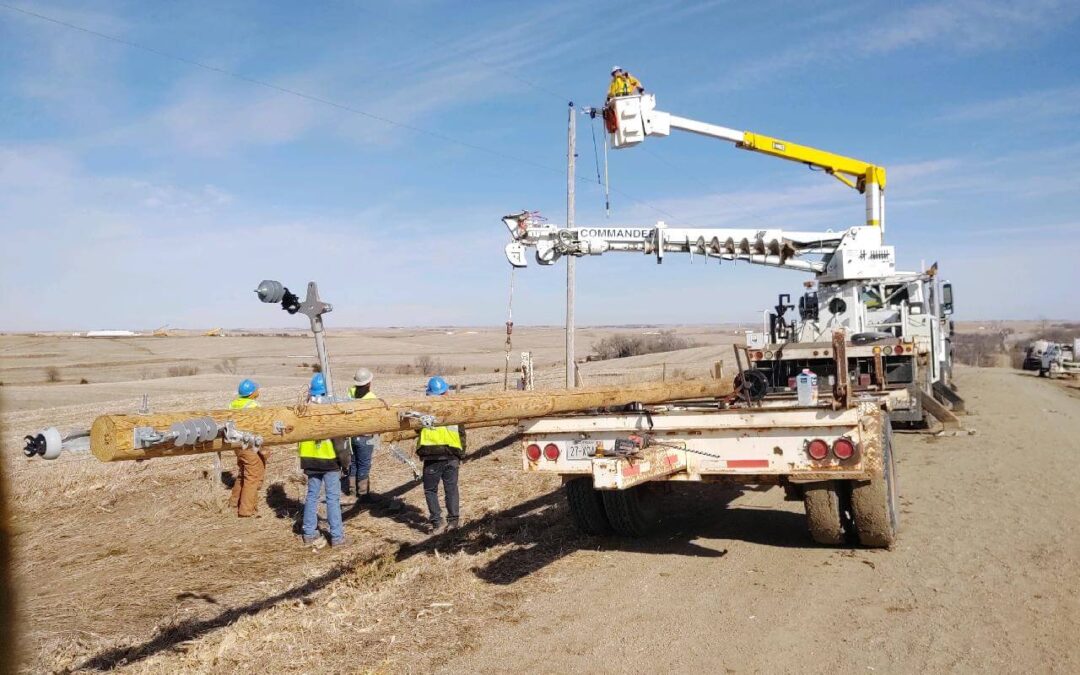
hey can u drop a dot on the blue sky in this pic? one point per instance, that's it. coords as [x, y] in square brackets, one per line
[137, 190]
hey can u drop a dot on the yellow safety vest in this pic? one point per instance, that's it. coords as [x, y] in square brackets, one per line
[624, 85]
[240, 402]
[447, 436]
[317, 449]
[368, 396]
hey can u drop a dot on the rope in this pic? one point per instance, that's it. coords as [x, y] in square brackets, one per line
[596, 161]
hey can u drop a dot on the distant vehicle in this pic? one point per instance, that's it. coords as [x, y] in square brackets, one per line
[1033, 355]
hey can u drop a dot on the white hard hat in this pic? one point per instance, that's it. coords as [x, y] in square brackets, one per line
[615, 69]
[363, 376]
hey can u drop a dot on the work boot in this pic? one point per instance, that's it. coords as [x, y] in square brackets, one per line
[363, 491]
[452, 525]
[340, 542]
[436, 528]
[315, 543]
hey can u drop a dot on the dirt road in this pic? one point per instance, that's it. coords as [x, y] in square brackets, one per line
[986, 576]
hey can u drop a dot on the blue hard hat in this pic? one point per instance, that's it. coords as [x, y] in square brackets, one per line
[247, 388]
[437, 386]
[318, 385]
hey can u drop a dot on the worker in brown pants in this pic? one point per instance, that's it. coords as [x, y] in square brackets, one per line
[250, 465]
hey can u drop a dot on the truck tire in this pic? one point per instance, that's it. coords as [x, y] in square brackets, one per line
[824, 512]
[632, 512]
[586, 507]
[873, 504]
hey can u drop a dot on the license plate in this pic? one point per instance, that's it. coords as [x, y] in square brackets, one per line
[581, 450]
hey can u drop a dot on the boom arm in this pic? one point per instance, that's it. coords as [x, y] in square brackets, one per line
[860, 254]
[631, 118]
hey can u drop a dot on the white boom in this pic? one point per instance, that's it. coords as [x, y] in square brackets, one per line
[856, 253]
[629, 119]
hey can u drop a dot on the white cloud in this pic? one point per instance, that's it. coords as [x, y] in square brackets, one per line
[950, 26]
[1044, 104]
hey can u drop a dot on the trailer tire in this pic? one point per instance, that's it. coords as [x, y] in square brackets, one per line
[824, 512]
[873, 504]
[631, 512]
[587, 507]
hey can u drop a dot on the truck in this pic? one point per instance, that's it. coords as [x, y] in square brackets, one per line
[835, 452]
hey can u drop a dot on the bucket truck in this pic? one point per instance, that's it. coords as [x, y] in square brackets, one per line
[897, 325]
[836, 455]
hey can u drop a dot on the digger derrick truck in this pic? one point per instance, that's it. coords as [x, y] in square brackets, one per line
[836, 455]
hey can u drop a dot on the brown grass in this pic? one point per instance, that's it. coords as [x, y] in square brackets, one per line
[52, 374]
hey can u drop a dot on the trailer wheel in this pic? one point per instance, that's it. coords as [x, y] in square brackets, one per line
[587, 507]
[632, 513]
[873, 504]
[824, 512]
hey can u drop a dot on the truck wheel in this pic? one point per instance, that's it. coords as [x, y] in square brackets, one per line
[632, 513]
[587, 507]
[824, 512]
[873, 504]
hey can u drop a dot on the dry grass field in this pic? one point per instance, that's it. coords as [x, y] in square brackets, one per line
[141, 567]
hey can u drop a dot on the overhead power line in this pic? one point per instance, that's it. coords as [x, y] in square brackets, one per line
[321, 100]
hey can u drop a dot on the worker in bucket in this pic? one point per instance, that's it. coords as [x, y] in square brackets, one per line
[323, 462]
[623, 84]
[250, 464]
[441, 449]
[363, 447]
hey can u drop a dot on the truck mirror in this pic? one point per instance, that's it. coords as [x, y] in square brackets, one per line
[946, 299]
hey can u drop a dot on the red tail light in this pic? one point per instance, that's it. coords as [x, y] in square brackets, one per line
[817, 449]
[533, 452]
[899, 349]
[551, 452]
[843, 448]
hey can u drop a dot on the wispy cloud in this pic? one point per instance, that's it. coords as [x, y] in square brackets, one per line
[954, 26]
[1044, 104]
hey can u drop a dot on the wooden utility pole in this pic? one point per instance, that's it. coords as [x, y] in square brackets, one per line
[113, 437]
[571, 152]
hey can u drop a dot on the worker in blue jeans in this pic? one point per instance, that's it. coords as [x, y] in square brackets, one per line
[322, 462]
[363, 447]
[441, 449]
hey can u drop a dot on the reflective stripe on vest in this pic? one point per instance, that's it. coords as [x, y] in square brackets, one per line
[365, 397]
[447, 436]
[239, 403]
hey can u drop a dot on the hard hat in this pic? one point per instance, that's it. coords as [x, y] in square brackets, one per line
[437, 386]
[615, 69]
[247, 388]
[363, 376]
[318, 385]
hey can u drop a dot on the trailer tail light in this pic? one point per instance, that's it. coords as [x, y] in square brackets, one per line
[551, 452]
[817, 449]
[899, 349]
[843, 448]
[533, 452]
[758, 356]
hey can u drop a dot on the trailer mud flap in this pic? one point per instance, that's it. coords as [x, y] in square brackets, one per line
[620, 473]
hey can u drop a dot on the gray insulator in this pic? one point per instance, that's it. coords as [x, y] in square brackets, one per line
[270, 291]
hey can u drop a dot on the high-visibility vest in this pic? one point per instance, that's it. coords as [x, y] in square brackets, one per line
[323, 449]
[624, 85]
[240, 402]
[366, 397]
[447, 436]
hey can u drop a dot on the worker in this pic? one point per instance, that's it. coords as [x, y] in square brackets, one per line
[623, 84]
[441, 449]
[323, 462]
[363, 447]
[250, 464]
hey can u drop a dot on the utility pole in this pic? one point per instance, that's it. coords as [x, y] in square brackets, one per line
[571, 365]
